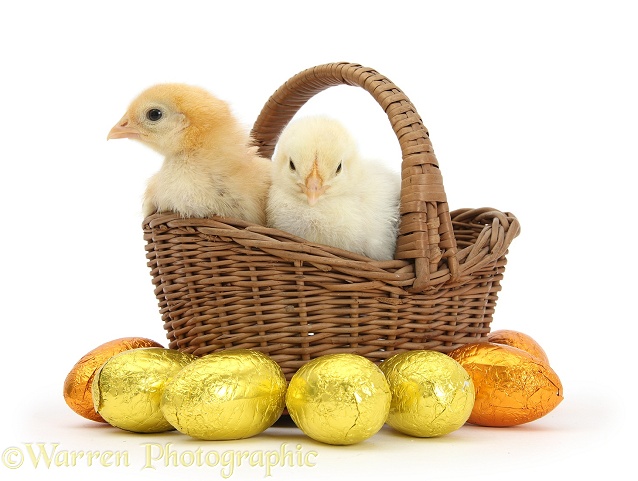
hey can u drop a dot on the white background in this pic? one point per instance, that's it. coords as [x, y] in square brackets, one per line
[531, 108]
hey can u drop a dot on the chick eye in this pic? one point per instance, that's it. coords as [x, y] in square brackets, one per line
[339, 167]
[154, 115]
[291, 164]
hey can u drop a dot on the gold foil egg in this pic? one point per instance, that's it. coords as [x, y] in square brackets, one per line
[512, 386]
[339, 399]
[78, 383]
[231, 394]
[128, 387]
[519, 340]
[432, 395]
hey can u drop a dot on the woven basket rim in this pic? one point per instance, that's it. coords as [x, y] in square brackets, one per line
[499, 229]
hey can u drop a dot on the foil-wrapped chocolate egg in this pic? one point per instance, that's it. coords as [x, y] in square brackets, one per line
[78, 383]
[128, 387]
[519, 340]
[231, 394]
[432, 395]
[339, 399]
[512, 386]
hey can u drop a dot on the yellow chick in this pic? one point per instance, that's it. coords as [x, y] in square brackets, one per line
[209, 168]
[324, 192]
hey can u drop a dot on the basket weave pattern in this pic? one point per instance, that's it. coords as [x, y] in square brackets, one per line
[224, 283]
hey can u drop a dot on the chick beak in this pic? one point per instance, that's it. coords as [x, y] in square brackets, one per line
[122, 130]
[314, 187]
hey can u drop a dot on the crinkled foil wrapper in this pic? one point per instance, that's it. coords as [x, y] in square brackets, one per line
[128, 388]
[79, 381]
[519, 340]
[512, 386]
[231, 394]
[432, 394]
[339, 399]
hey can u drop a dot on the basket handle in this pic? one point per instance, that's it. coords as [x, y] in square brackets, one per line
[425, 235]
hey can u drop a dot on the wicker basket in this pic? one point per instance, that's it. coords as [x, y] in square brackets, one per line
[224, 283]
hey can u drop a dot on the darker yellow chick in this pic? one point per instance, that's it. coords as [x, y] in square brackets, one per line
[209, 165]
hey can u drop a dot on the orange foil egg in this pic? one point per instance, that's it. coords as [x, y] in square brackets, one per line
[512, 386]
[519, 340]
[78, 383]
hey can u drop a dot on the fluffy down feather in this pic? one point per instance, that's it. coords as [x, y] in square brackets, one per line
[324, 192]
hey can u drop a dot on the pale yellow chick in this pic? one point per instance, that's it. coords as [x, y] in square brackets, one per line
[324, 192]
[209, 166]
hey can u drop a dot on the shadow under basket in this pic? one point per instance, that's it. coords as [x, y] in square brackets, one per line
[224, 283]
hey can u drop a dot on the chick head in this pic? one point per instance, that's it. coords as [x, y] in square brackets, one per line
[172, 118]
[315, 157]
